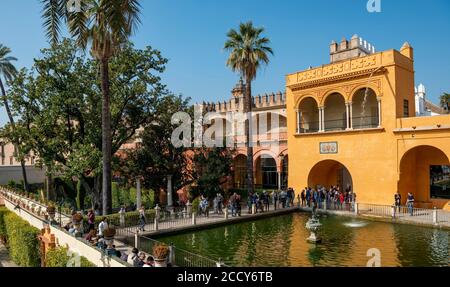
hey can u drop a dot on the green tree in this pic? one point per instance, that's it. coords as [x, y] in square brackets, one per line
[8, 72]
[59, 103]
[248, 51]
[157, 157]
[212, 168]
[105, 25]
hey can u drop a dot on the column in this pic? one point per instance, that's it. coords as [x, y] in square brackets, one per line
[169, 192]
[350, 107]
[379, 112]
[138, 194]
[279, 180]
[347, 114]
[299, 116]
[321, 119]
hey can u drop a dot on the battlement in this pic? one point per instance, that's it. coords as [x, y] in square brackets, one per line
[273, 100]
[356, 47]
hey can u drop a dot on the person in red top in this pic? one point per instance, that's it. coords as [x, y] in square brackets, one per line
[341, 199]
[91, 220]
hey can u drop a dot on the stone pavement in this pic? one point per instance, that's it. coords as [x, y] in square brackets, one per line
[5, 261]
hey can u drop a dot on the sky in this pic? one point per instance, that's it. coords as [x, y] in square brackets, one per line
[191, 34]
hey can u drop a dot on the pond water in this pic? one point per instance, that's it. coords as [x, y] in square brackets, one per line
[281, 242]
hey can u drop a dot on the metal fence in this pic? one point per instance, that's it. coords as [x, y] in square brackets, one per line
[178, 257]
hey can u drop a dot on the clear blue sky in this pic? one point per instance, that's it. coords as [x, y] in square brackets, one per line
[191, 34]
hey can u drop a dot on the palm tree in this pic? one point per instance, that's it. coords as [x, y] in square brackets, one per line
[8, 71]
[105, 25]
[248, 51]
[445, 101]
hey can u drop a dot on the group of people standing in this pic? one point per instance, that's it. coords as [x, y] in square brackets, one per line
[333, 197]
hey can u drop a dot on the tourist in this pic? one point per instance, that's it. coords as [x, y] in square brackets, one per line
[216, 204]
[111, 249]
[232, 201]
[266, 201]
[341, 200]
[303, 197]
[398, 201]
[142, 219]
[283, 198]
[250, 202]
[91, 235]
[288, 198]
[308, 197]
[292, 196]
[118, 254]
[91, 220]
[275, 199]
[220, 203]
[237, 204]
[124, 257]
[122, 212]
[141, 261]
[410, 203]
[150, 262]
[101, 243]
[133, 258]
[102, 226]
[204, 204]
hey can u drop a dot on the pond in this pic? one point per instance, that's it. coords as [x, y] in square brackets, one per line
[281, 242]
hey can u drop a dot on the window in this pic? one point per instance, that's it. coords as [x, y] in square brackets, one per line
[405, 108]
[440, 181]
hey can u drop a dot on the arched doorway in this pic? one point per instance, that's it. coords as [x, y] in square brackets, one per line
[308, 116]
[424, 171]
[335, 118]
[330, 172]
[365, 109]
[240, 171]
[266, 172]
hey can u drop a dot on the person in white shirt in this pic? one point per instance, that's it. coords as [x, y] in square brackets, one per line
[102, 226]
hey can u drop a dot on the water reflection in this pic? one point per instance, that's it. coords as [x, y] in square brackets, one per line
[281, 241]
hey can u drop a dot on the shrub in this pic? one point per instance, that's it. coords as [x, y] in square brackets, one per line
[3, 212]
[61, 257]
[22, 241]
[195, 204]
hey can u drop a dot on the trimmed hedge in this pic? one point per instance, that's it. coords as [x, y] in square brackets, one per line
[3, 235]
[59, 257]
[22, 239]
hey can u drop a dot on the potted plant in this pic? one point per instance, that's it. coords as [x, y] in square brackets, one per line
[109, 233]
[51, 210]
[160, 254]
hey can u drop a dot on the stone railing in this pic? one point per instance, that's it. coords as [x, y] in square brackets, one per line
[34, 213]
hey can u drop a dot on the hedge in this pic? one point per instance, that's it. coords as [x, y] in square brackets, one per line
[22, 240]
[59, 257]
[3, 235]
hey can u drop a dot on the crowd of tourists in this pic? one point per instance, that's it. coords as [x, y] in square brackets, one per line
[333, 197]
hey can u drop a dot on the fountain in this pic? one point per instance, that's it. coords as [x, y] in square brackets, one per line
[313, 225]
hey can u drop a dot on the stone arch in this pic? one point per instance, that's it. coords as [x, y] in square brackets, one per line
[308, 115]
[331, 92]
[415, 173]
[240, 170]
[330, 173]
[266, 171]
[335, 112]
[365, 113]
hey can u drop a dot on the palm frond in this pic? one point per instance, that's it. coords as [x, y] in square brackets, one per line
[53, 14]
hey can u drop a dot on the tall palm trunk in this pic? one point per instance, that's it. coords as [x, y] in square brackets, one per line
[106, 138]
[248, 107]
[11, 121]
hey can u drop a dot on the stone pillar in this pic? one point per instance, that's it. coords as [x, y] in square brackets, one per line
[194, 219]
[347, 114]
[435, 216]
[226, 212]
[350, 106]
[279, 180]
[169, 192]
[157, 213]
[138, 194]
[189, 208]
[321, 119]
[379, 112]
[299, 121]
[136, 240]
[356, 208]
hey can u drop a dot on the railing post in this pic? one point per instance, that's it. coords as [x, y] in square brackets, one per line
[226, 212]
[253, 208]
[393, 211]
[194, 219]
[157, 214]
[219, 263]
[356, 208]
[171, 254]
[189, 208]
[298, 200]
[136, 240]
[435, 215]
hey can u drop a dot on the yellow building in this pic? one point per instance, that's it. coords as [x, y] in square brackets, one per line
[352, 123]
